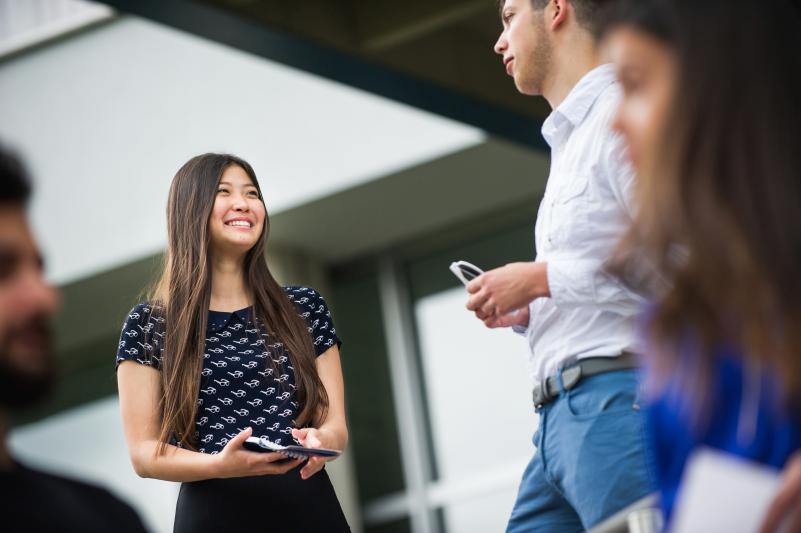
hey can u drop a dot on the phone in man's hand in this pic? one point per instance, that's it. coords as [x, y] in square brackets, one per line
[466, 272]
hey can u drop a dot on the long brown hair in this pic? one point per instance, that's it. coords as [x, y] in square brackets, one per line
[719, 221]
[182, 295]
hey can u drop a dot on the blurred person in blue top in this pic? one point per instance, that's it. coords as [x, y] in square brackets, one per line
[711, 115]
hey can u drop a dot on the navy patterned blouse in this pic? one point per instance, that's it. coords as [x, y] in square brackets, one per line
[238, 386]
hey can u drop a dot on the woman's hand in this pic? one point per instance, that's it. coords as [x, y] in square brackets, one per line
[784, 513]
[315, 438]
[236, 461]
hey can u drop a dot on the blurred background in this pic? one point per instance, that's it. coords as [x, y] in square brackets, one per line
[388, 141]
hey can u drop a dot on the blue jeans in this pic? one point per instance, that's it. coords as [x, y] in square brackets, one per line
[590, 459]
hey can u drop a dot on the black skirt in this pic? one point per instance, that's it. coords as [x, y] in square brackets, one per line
[284, 503]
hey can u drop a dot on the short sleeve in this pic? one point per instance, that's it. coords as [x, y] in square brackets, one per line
[314, 310]
[141, 338]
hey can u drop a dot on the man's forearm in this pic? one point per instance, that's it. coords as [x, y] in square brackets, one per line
[537, 285]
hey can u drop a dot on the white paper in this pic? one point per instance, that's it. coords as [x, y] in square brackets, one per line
[723, 493]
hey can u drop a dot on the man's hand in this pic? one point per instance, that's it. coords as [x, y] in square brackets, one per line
[518, 318]
[784, 513]
[500, 291]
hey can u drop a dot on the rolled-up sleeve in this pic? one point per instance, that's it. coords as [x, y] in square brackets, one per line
[586, 282]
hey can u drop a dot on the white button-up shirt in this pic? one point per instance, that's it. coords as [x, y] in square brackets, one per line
[584, 212]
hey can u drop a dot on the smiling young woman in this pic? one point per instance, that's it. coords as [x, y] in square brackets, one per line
[220, 352]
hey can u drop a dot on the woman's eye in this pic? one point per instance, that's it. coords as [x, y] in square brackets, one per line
[221, 190]
[254, 194]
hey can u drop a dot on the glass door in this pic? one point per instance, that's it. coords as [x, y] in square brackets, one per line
[477, 387]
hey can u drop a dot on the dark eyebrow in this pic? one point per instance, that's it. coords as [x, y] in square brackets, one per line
[501, 5]
[10, 256]
[231, 185]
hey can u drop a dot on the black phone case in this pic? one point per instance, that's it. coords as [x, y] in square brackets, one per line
[295, 452]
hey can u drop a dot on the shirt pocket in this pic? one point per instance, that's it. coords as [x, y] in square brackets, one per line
[569, 211]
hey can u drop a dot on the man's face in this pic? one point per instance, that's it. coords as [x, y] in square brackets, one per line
[525, 46]
[27, 303]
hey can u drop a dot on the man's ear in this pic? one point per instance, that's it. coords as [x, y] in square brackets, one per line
[556, 13]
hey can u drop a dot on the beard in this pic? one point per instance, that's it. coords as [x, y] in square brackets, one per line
[19, 387]
[533, 79]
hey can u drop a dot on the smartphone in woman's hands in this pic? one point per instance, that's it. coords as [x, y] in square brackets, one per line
[260, 444]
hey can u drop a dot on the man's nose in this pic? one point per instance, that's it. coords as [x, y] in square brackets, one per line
[37, 295]
[500, 45]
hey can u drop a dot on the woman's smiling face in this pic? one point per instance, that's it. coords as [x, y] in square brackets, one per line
[237, 218]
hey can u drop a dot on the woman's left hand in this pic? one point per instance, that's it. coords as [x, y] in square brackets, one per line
[783, 513]
[314, 438]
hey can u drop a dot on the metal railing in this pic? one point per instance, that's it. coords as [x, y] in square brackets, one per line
[643, 516]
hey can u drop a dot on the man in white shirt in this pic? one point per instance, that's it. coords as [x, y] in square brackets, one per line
[579, 320]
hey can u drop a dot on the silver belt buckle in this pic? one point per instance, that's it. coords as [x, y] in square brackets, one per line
[542, 387]
[571, 376]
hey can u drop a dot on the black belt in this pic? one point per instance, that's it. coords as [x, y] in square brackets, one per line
[548, 389]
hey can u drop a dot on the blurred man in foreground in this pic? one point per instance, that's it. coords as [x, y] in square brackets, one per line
[33, 500]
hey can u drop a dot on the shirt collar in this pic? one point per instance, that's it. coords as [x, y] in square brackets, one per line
[220, 319]
[572, 111]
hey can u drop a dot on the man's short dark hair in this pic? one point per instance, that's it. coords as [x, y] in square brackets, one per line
[588, 12]
[15, 187]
